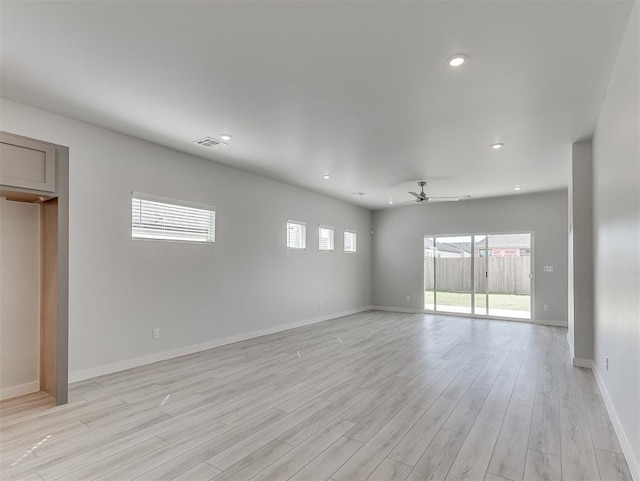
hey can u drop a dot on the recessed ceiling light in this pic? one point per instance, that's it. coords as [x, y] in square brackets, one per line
[326, 176]
[497, 146]
[457, 60]
[517, 187]
[225, 137]
[390, 201]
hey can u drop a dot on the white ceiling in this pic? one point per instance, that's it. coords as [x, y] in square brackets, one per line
[360, 90]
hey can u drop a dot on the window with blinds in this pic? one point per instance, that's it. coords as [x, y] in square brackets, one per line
[350, 241]
[296, 235]
[157, 218]
[325, 238]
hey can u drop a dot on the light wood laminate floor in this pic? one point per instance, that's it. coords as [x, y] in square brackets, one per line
[373, 396]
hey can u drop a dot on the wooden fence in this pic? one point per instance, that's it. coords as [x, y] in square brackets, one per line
[507, 275]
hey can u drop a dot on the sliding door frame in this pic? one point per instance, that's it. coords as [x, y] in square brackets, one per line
[473, 283]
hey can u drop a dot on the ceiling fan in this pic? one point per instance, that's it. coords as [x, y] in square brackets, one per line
[422, 198]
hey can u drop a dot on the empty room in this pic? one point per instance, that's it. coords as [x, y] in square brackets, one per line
[320, 240]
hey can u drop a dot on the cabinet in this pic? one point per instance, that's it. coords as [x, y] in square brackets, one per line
[27, 163]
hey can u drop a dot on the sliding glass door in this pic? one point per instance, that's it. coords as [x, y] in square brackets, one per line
[480, 274]
[509, 275]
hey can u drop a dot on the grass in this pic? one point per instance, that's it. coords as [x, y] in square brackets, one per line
[496, 301]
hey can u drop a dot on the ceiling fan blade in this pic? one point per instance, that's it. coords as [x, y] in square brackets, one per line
[417, 196]
[411, 202]
[445, 199]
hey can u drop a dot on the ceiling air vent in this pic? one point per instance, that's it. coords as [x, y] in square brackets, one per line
[210, 142]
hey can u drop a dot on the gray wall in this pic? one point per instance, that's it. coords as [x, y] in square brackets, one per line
[247, 282]
[580, 334]
[617, 242]
[398, 233]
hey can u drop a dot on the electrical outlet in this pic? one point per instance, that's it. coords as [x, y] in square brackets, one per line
[606, 363]
[546, 307]
[548, 268]
[408, 298]
[155, 334]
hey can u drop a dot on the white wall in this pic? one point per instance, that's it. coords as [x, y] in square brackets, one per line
[617, 243]
[19, 298]
[119, 289]
[398, 234]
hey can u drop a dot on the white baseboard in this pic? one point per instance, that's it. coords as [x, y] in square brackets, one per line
[577, 362]
[550, 322]
[632, 461]
[22, 389]
[182, 351]
[543, 322]
[397, 309]
[570, 342]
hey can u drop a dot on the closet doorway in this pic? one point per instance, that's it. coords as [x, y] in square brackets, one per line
[34, 253]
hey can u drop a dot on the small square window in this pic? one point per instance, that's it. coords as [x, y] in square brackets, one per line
[325, 238]
[350, 241]
[296, 235]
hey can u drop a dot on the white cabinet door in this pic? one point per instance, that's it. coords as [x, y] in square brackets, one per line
[26, 163]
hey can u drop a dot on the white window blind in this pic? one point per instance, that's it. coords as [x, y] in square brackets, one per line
[350, 241]
[158, 218]
[296, 235]
[325, 238]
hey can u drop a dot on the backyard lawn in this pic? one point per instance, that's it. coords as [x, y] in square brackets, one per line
[497, 301]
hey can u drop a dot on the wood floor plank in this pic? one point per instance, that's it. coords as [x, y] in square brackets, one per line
[390, 470]
[367, 459]
[493, 477]
[524, 390]
[602, 432]
[230, 456]
[313, 424]
[90, 471]
[197, 446]
[417, 440]
[436, 461]
[253, 464]
[361, 410]
[465, 413]
[329, 461]
[612, 466]
[201, 472]
[542, 467]
[495, 405]
[510, 451]
[364, 430]
[474, 455]
[578, 455]
[297, 458]
[545, 423]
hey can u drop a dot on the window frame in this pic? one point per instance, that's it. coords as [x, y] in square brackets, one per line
[304, 235]
[332, 239]
[355, 241]
[141, 196]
